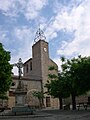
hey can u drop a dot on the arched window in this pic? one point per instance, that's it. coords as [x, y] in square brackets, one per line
[27, 68]
[30, 65]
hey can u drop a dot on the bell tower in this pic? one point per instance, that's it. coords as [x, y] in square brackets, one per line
[40, 56]
[36, 68]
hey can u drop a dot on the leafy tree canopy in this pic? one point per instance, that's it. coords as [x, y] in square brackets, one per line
[74, 79]
[38, 94]
[77, 72]
[57, 85]
[5, 70]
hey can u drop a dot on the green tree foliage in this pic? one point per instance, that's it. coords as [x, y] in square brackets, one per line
[3, 97]
[5, 71]
[74, 79]
[57, 86]
[77, 72]
[40, 96]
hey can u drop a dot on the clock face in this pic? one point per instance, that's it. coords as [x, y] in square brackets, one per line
[45, 49]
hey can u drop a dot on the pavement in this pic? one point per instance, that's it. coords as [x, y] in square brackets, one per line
[48, 114]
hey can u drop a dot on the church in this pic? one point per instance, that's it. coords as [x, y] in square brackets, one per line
[35, 74]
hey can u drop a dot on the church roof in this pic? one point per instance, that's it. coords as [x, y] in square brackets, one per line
[28, 61]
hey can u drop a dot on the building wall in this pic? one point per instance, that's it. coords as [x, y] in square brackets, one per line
[11, 101]
[28, 68]
[40, 59]
[36, 75]
[30, 85]
[40, 64]
[80, 99]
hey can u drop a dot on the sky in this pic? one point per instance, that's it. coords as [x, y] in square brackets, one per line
[66, 26]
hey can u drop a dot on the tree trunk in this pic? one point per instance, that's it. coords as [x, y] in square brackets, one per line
[40, 103]
[60, 104]
[73, 102]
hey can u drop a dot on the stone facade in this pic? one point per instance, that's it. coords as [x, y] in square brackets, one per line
[37, 67]
[29, 84]
[35, 75]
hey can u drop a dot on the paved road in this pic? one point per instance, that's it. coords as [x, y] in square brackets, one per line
[52, 115]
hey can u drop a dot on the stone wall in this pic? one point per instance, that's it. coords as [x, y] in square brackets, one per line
[30, 85]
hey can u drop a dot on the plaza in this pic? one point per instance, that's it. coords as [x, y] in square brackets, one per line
[52, 115]
[45, 72]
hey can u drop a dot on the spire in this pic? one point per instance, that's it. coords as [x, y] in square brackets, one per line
[39, 35]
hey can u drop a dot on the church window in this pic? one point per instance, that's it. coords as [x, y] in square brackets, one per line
[30, 65]
[27, 68]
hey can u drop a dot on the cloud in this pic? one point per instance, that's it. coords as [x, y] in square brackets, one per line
[24, 39]
[9, 8]
[65, 20]
[59, 63]
[29, 8]
[33, 8]
[18, 41]
[68, 17]
[3, 36]
[81, 43]
[77, 21]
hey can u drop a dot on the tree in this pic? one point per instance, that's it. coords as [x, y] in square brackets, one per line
[40, 96]
[57, 86]
[74, 79]
[77, 72]
[5, 71]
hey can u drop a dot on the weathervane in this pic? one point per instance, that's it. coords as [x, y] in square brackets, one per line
[39, 35]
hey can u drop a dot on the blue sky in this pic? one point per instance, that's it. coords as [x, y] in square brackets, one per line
[66, 25]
